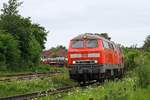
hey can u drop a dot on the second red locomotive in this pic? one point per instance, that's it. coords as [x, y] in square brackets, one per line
[92, 57]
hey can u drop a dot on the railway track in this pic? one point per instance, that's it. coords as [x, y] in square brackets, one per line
[28, 76]
[35, 95]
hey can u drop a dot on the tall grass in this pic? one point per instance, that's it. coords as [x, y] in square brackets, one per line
[120, 90]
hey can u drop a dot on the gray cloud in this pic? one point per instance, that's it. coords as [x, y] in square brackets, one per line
[126, 21]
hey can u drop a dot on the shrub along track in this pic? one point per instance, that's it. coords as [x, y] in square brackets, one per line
[28, 76]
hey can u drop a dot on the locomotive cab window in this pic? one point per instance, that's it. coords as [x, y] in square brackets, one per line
[77, 44]
[92, 43]
[105, 45]
[111, 46]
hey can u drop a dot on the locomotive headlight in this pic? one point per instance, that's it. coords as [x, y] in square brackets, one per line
[75, 55]
[96, 61]
[94, 55]
[74, 62]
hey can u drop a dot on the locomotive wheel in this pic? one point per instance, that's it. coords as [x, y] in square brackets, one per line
[121, 73]
[116, 73]
[85, 77]
[108, 74]
[101, 77]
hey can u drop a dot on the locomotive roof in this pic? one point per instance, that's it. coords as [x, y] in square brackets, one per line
[88, 36]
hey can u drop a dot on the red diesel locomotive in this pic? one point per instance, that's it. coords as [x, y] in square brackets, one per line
[91, 57]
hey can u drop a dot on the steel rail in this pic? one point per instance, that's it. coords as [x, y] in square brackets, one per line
[35, 95]
[28, 76]
[39, 94]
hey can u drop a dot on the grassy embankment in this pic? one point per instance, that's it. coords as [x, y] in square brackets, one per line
[134, 86]
[27, 86]
[120, 90]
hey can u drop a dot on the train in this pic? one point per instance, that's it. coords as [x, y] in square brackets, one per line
[93, 57]
[56, 61]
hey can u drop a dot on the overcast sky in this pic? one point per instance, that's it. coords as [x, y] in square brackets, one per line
[126, 21]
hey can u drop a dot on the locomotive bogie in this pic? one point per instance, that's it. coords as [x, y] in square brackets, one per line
[94, 72]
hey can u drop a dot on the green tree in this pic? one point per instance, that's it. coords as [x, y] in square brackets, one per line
[11, 8]
[146, 45]
[9, 52]
[105, 35]
[40, 34]
[58, 51]
[34, 52]
[31, 37]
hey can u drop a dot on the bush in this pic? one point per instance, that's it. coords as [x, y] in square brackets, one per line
[137, 62]
[132, 58]
[144, 75]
